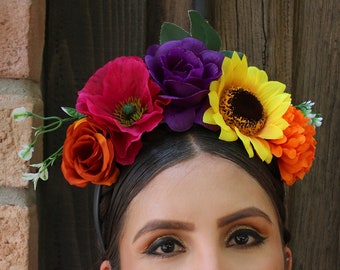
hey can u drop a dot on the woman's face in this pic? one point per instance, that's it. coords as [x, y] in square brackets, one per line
[203, 213]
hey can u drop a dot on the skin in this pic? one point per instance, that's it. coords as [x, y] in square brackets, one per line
[203, 213]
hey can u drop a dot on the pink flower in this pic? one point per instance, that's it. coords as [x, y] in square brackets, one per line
[122, 97]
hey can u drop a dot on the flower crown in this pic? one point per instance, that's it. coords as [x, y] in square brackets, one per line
[184, 80]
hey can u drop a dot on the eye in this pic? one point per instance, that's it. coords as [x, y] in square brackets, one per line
[166, 246]
[244, 238]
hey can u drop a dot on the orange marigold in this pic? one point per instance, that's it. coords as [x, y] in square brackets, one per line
[296, 150]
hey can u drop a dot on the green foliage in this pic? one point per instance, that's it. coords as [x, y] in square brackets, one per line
[202, 30]
[171, 31]
[72, 112]
[229, 53]
[199, 29]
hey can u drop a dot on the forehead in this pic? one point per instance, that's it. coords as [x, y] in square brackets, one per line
[192, 188]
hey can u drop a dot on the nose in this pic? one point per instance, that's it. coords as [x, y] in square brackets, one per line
[208, 258]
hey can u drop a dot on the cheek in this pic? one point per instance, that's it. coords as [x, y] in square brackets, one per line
[275, 263]
[125, 263]
[267, 256]
[272, 259]
[263, 261]
[273, 255]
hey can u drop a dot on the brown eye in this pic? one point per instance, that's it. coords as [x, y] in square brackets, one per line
[243, 238]
[165, 246]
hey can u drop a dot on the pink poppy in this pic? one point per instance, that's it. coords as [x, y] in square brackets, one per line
[122, 97]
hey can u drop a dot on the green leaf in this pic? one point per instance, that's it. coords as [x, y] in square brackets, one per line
[171, 31]
[202, 30]
[229, 53]
[72, 112]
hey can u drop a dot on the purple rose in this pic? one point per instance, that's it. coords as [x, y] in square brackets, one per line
[184, 69]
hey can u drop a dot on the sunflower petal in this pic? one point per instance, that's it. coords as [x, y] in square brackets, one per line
[277, 113]
[226, 129]
[239, 70]
[279, 102]
[255, 78]
[214, 101]
[208, 117]
[262, 148]
[271, 132]
[270, 89]
[246, 142]
[228, 135]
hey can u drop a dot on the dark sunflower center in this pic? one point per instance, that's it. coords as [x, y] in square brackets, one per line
[129, 111]
[240, 108]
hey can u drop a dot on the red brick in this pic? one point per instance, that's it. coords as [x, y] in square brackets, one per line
[13, 94]
[21, 38]
[18, 237]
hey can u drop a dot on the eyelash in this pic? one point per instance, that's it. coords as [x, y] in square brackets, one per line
[249, 238]
[158, 247]
[167, 242]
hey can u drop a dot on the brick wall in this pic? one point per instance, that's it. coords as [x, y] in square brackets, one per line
[22, 24]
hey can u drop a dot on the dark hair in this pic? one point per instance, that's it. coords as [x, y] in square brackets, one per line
[163, 148]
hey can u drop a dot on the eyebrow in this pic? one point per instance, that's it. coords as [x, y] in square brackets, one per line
[244, 213]
[154, 225]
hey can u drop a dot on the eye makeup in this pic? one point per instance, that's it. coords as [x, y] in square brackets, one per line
[165, 246]
[242, 237]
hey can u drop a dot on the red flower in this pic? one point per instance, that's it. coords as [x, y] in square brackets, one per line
[296, 150]
[88, 155]
[122, 97]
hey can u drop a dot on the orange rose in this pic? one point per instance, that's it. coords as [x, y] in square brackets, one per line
[296, 150]
[88, 155]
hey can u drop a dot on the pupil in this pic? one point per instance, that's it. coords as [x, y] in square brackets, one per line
[168, 247]
[242, 102]
[241, 239]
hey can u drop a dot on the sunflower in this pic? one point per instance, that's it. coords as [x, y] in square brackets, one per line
[245, 105]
